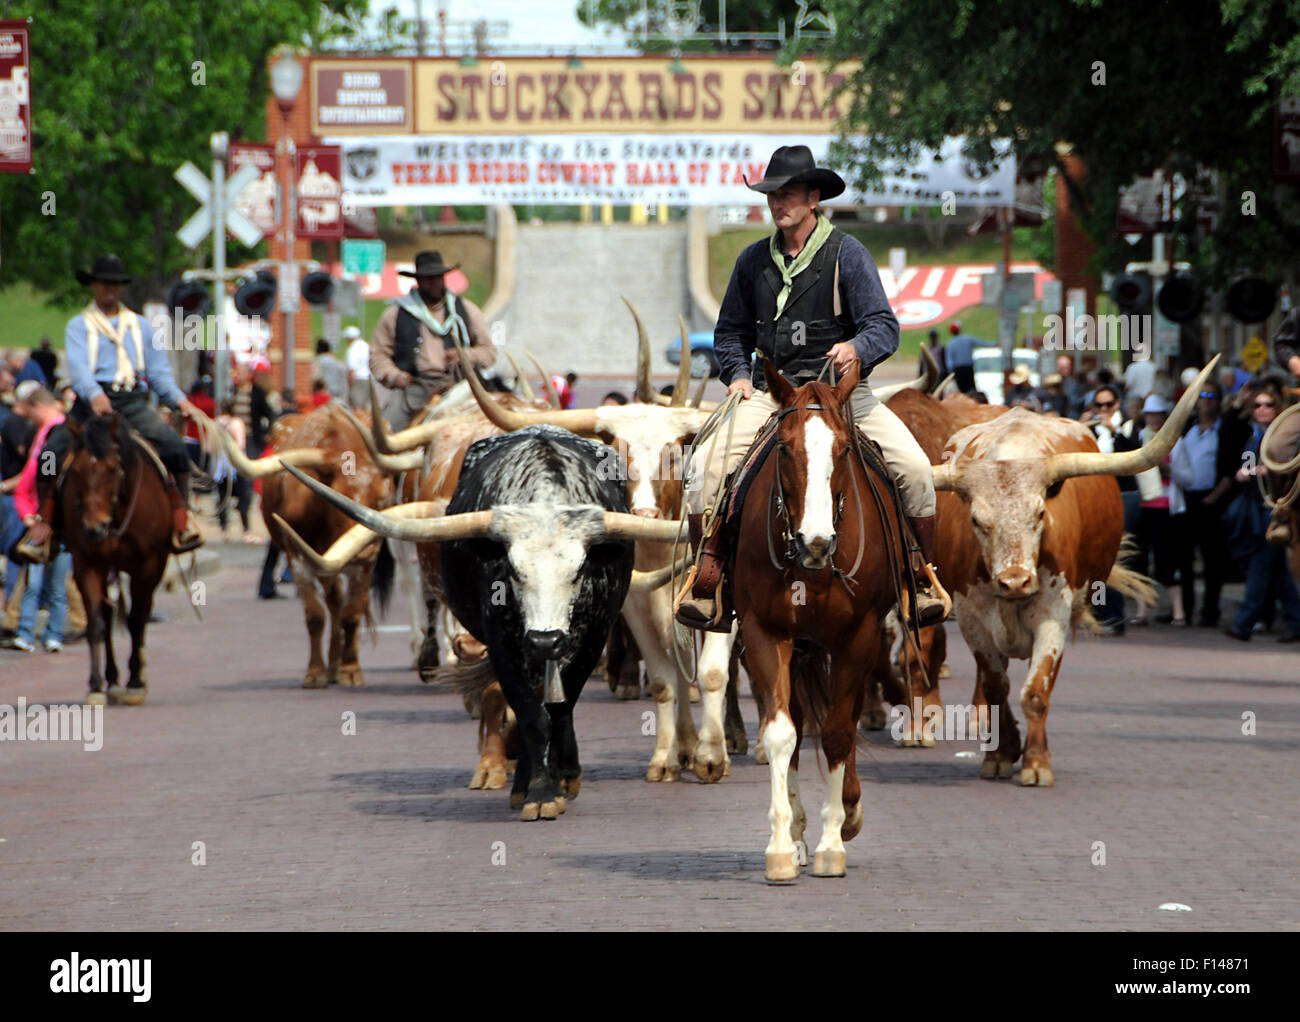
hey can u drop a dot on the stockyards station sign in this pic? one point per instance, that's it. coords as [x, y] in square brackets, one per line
[621, 130]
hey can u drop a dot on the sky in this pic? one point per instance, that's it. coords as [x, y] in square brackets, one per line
[545, 24]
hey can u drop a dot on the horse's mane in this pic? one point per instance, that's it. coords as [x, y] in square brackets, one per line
[98, 440]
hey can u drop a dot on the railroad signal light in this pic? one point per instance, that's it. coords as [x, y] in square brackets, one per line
[1181, 298]
[317, 288]
[1251, 299]
[256, 295]
[1130, 292]
[190, 297]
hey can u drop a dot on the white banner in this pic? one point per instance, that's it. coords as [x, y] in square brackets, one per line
[694, 170]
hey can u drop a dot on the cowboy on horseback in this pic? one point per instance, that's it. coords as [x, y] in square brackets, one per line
[1282, 450]
[114, 360]
[807, 295]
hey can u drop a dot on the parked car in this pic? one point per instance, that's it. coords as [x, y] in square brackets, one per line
[990, 369]
[703, 361]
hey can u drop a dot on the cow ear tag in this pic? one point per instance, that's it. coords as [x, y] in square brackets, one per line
[554, 689]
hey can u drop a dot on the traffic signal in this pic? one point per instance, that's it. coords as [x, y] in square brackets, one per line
[256, 295]
[188, 298]
[1130, 292]
[1181, 298]
[317, 288]
[1251, 299]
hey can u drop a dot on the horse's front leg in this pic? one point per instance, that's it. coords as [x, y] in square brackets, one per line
[91, 584]
[143, 584]
[768, 661]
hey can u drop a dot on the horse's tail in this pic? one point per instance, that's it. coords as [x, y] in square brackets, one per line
[810, 681]
[381, 577]
[469, 679]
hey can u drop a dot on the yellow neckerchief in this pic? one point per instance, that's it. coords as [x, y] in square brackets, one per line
[127, 322]
[815, 241]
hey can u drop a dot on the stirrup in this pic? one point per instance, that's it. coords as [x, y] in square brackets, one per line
[24, 551]
[184, 542]
[933, 604]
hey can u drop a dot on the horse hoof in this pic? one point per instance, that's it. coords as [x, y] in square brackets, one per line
[115, 695]
[517, 799]
[829, 863]
[135, 696]
[852, 825]
[531, 811]
[96, 699]
[782, 867]
[1037, 777]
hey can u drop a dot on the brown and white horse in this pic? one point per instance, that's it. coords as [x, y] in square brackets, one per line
[812, 582]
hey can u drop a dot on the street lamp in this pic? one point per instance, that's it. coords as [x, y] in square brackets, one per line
[286, 82]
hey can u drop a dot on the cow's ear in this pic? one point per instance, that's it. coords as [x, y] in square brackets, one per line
[777, 385]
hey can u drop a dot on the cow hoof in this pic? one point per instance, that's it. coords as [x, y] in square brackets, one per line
[873, 720]
[852, 825]
[989, 770]
[945, 672]
[517, 799]
[315, 679]
[710, 762]
[663, 772]
[760, 754]
[829, 863]
[135, 696]
[546, 811]
[96, 699]
[1006, 769]
[560, 803]
[115, 695]
[628, 692]
[571, 786]
[533, 811]
[490, 776]
[1037, 777]
[351, 676]
[738, 745]
[782, 867]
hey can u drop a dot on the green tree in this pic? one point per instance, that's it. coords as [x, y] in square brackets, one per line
[1128, 88]
[122, 94]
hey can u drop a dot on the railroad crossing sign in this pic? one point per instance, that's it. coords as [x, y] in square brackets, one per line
[199, 226]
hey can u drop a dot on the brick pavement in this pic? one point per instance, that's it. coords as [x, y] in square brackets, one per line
[306, 828]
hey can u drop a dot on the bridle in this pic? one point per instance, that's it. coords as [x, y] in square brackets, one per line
[118, 486]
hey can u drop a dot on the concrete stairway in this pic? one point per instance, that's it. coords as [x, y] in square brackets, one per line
[566, 306]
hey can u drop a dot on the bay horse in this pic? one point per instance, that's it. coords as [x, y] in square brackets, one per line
[115, 513]
[813, 572]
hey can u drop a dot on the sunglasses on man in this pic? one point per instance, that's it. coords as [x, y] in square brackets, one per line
[1210, 393]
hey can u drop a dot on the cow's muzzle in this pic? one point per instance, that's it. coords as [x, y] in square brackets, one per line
[1016, 584]
[549, 645]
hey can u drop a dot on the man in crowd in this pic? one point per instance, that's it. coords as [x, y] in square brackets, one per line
[331, 371]
[357, 357]
[412, 351]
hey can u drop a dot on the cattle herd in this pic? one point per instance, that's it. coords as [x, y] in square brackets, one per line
[534, 527]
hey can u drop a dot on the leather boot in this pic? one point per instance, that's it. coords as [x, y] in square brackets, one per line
[933, 604]
[184, 536]
[701, 608]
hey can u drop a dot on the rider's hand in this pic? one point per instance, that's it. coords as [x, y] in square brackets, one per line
[101, 405]
[39, 533]
[843, 355]
[744, 385]
[187, 408]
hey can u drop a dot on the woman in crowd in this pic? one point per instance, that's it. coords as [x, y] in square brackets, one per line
[1154, 535]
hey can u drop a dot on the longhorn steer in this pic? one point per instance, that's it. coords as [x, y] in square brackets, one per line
[325, 443]
[536, 562]
[1030, 522]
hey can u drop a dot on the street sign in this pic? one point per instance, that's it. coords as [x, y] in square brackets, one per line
[199, 226]
[287, 280]
[363, 256]
[1052, 296]
[1254, 354]
[347, 298]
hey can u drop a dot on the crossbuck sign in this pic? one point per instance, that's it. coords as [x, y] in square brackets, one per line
[200, 186]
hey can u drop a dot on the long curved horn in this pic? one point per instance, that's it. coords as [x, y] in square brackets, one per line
[1094, 463]
[579, 420]
[397, 443]
[352, 543]
[698, 396]
[923, 383]
[644, 581]
[421, 529]
[547, 385]
[261, 468]
[931, 369]
[948, 381]
[944, 477]
[524, 385]
[393, 464]
[682, 388]
[645, 388]
[620, 525]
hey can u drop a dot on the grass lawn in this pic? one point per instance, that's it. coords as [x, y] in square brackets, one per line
[27, 318]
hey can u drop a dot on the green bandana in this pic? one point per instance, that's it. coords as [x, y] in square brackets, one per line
[815, 240]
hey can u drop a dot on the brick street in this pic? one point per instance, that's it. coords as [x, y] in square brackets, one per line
[307, 828]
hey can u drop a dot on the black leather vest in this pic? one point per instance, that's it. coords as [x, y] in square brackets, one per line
[807, 328]
[407, 339]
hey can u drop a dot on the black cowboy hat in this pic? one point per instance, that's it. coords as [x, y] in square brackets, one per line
[794, 165]
[106, 267]
[428, 264]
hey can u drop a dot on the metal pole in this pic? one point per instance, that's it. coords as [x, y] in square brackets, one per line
[289, 265]
[220, 369]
